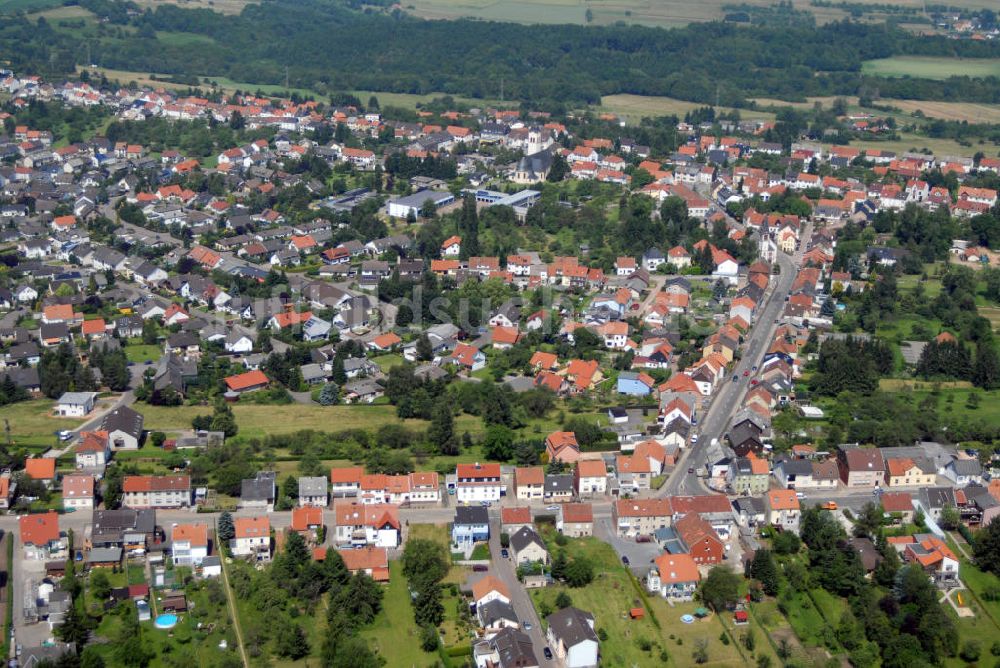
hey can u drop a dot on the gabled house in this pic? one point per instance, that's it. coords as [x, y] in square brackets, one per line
[471, 525]
[41, 538]
[562, 446]
[860, 467]
[529, 482]
[674, 576]
[189, 544]
[527, 547]
[575, 520]
[703, 544]
[252, 538]
[572, 638]
[374, 524]
[783, 509]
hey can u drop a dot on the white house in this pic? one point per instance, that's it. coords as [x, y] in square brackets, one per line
[572, 638]
[78, 492]
[189, 544]
[477, 482]
[252, 538]
[75, 404]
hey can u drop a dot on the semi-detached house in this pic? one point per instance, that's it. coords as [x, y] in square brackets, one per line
[640, 517]
[147, 491]
[476, 483]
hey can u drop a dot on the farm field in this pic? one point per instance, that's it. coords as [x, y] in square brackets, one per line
[634, 107]
[931, 68]
[220, 6]
[949, 111]
[662, 13]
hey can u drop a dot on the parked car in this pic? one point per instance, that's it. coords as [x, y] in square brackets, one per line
[548, 653]
[505, 553]
[480, 568]
[625, 558]
[829, 505]
[527, 626]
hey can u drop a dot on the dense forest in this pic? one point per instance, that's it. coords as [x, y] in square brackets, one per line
[328, 46]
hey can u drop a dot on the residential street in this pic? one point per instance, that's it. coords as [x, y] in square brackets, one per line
[520, 600]
[728, 399]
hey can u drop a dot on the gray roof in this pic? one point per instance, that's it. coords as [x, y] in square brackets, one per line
[514, 648]
[795, 467]
[259, 488]
[966, 466]
[471, 515]
[572, 626]
[312, 486]
[104, 555]
[496, 610]
[559, 483]
[524, 537]
[77, 398]
[123, 419]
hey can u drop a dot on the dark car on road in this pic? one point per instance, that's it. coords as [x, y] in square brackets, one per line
[625, 559]
[548, 654]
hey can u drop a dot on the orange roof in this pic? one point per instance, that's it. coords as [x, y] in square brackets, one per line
[451, 241]
[306, 517]
[39, 529]
[783, 499]
[644, 507]
[346, 474]
[387, 340]
[477, 470]
[561, 439]
[506, 335]
[897, 502]
[246, 380]
[544, 360]
[489, 584]
[155, 483]
[252, 527]
[675, 568]
[64, 221]
[529, 475]
[197, 534]
[287, 318]
[93, 441]
[591, 468]
[40, 468]
[899, 466]
[58, 312]
[515, 515]
[93, 326]
[576, 513]
[370, 558]
[372, 515]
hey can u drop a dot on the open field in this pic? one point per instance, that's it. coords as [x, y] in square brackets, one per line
[636, 106]
[931, 68]
[13, 6]
[32, 424]
[949, 111]
[66, 12]
[221, 6]
[662, 13]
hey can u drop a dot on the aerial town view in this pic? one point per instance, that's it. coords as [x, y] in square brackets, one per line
[499, 334]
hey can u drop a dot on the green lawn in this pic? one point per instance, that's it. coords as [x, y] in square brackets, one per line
[386, 362]
[32, 425]
[610, 597]
[931, 68]
[394, 633]
[141, 353]
[952, 404]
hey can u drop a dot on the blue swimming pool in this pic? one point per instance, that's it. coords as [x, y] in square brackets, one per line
[166, 621]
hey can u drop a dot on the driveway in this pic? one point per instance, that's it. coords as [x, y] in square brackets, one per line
[639, 555]
[505, 571]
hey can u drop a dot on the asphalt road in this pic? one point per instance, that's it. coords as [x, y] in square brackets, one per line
[728, 399]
